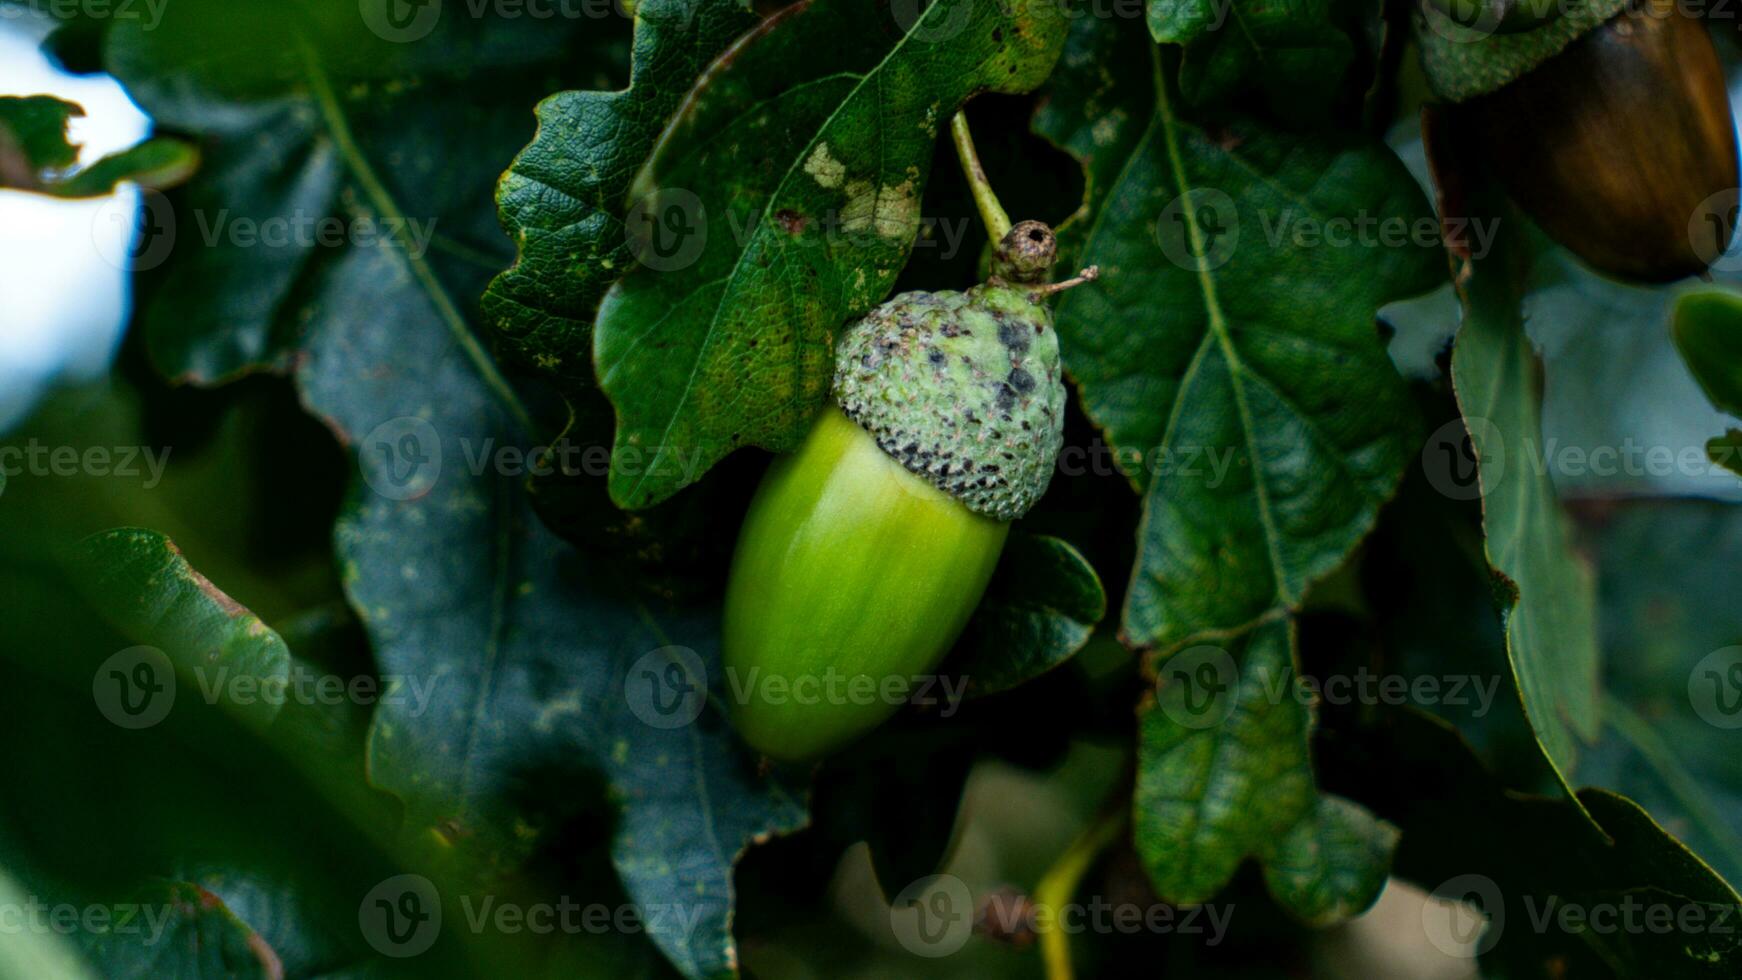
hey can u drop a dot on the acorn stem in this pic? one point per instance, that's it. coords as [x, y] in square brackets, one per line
[991, 211]
[1088, 275]
[1060, 882]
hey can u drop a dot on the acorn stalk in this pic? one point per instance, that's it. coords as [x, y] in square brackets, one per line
[864, 553]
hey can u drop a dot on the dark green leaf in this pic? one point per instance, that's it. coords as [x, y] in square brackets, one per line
[784, 202]
[564, 198]
[325, 141]
[1290, 51]
[1707, 325]
[1238, 363]
[534, 655]
[181, 932]
[1561, 882]
[523, 648]
[1726, 450]
[1224, 775]
[1546, 590]
[212, 643]
[34, 152]
[33, 137]
[1041, 607]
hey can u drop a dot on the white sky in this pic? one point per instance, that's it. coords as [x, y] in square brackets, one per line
[61, 302]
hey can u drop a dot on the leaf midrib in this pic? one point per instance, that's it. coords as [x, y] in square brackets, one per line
[876, 71]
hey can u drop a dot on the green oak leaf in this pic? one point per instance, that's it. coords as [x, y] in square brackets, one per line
[1599, 855]
[181, 930]
[211, 642]
[1042, 605]
[325, 140]
[563, 199]
[1293, 52]
[1707, 325]
[1224, 774]
[1545, 589]
[783, 202]
[537, 652]
[35, 154]
[525, 646]
[1726, 450]
[35, 128]
[1227, 348]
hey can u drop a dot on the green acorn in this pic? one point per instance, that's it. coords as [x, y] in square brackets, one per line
[865, 552]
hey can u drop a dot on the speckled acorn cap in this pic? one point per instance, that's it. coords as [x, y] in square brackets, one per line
[965, 389]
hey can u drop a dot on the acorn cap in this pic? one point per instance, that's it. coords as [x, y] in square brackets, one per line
[965, 389]
[1466, 57]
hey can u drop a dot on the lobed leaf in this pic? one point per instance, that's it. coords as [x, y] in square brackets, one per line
[783, 202]
[1236, 362]
[1224, 774]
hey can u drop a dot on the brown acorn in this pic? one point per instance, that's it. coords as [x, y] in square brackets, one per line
[1621, 146]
